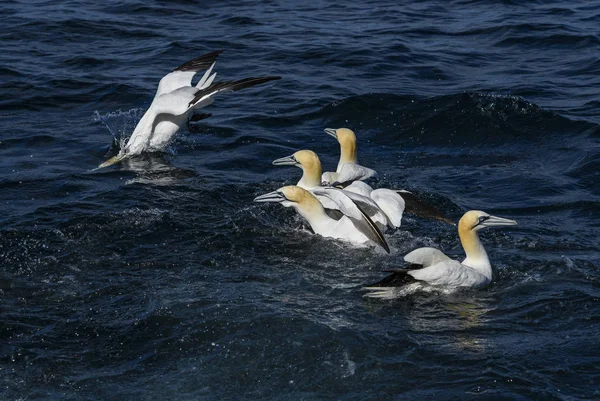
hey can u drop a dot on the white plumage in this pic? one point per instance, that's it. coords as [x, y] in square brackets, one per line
[432, 267]
[174, 103]
[353, 225]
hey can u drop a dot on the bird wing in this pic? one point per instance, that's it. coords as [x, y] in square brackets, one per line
[419, 207]
[369, 206]
[328, 178]
[359, 217]
[390, 202]
[182, 75]
[448, 273]
[176, 102]
[359, 187]
[228, 86]
[340, 200]
[353, 172]
[426, 257]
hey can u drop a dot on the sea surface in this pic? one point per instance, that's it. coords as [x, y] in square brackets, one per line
[160, 279]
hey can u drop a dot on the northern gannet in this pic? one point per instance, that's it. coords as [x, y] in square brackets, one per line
[353, 226]
[348, 169]
[175, 102]
[383, 206]
[431, 266]
[349, 175]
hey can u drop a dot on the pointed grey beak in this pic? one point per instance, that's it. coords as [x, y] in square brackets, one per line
[286, 161]
[274, 196]
[494, 221]
[331, 131]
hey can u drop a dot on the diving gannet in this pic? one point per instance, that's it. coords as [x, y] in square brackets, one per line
[175, 102]
[310, 164]
[431, 266]
[348, 169]
[353, 226]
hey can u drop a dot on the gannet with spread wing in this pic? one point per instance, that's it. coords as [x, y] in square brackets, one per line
[353, 226]
[175, 102]
[431, 266]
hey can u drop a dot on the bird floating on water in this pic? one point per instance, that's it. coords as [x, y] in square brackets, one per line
[348, 169]
[175, 102]
[431, 266]
[349, 175]
[353, 225]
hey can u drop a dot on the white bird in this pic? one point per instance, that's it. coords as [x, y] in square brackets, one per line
[175, 102]
[374, 206]
[349, 175]
[431, 266]
[353, 226]
[348, 169]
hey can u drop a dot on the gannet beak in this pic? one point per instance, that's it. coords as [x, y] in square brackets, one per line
[331, 131]
[274, 196]
[112, 160]
[494, 221]
[286, 161]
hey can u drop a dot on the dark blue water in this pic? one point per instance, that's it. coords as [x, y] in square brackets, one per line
[161, 280]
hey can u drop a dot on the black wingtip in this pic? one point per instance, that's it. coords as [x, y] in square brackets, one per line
[249, 82]
[418, 207]
[379, 238]
[200, 63]
[231, 86]
[398, 278]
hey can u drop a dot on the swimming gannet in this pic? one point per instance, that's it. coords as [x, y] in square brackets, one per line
[175, 102]
[354, 225]
[348, 169]
[349, 175]
[310, 164]
[431, 266]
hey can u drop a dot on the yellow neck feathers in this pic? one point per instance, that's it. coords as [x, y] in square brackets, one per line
[348, 147]
[311, 167]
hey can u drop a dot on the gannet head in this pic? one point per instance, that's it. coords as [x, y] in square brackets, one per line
[475, 220]
[468, 226]
[347, 141]
[310, 164]
[293, 196]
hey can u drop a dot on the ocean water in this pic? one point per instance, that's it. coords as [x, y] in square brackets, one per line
[160, 279]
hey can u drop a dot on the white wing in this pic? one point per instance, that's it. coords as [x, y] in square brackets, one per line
[340, 200]
[354, 172]
[426, 257]
[450, 273]
[328, 178]
[359, 187]
[359, 218]
[390, 202]
[370, 207]
[175, 103]
[182, 75]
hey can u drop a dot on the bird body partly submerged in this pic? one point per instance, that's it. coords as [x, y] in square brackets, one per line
[174, 104]
[353, 225]
[432, 267]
